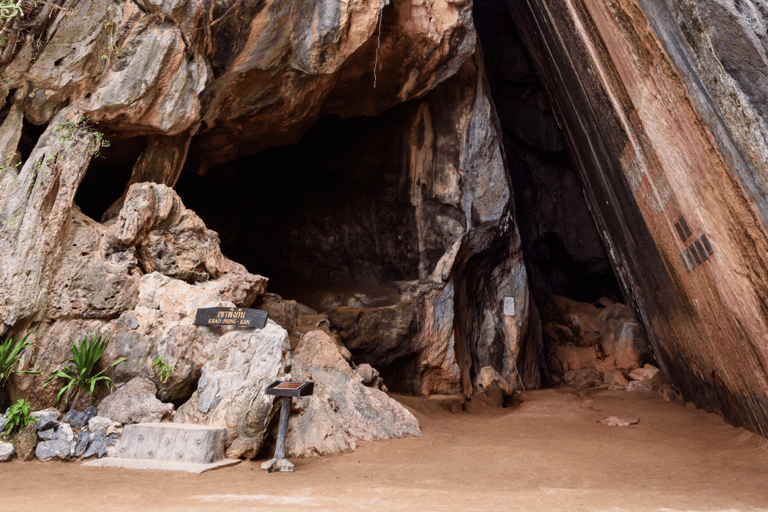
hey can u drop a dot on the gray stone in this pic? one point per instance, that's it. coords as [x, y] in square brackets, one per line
[46, 419]
[99, 423]
[172, 442]
[55, 449]
[97, 446]
[83, 440]
[76, 419]
[6, 451]
[46, 435]
[135, 402]
[90, 412]
[2, 423]
[239, 368]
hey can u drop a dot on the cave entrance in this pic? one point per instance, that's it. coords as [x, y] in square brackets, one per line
[563, 250]
[327, 216]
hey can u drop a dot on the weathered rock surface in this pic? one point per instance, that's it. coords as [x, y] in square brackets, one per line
[6, 451]
[662, 105]
[135, 402]
[342, 409]
[24, 443]
[230, 391]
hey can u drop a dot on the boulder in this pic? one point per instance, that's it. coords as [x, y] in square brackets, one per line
[648, 378]
[340, 412]
[24, 443]
[576, 358]
[622, 336]
[6, 451]
[582, 318]
[54, 449]
[342, 409]
[230, 391]
[135, 402]
[46, 419]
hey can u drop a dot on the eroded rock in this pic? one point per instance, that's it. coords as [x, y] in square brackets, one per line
[230, 391]
[135, 402]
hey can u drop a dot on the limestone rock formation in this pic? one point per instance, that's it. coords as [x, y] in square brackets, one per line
[135, 402]
[342, 410]
[231, 389]
[662, 105]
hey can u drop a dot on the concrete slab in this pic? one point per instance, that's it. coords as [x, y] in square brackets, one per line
[162, 465]
[172, 442]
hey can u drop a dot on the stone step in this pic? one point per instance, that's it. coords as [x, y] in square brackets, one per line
[169, 446]
[172, 442]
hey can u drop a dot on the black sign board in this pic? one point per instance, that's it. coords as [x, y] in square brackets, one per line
[240, 317]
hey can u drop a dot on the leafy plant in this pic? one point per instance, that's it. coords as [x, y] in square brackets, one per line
[10, 352]
[18, 417]
[71, 131]
[79, 371]
[164, 371]
[163, 368]
[10, 9]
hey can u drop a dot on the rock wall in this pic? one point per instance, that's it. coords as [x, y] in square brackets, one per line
[662, 105]
[193, 85]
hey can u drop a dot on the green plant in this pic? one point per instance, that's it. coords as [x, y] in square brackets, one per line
[79, 370]
[10, 9]
[10, 352]
[71, 131]
[163, 368]
[18, 417]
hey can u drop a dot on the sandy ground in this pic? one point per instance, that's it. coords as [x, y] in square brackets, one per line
[549, 454]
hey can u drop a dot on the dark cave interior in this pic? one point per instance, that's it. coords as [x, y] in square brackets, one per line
[333, 211]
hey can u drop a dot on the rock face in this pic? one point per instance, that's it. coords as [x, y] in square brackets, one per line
[215, 82]
[230, 391]
[135, 402]
[342, 410]
[662, 104]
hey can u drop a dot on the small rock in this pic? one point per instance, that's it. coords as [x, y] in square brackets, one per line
[24, 442]
[576, 357]
[616, 378]
[55, 449]
[583, 378]
[641, 385]
[98, 445]
[613, 421]
[671, 394]
[6, 451]
[90, 412]
[115, 428]
[46, 435]
[645, 373]
[99, 423]
[83, 440]
[76, 419]
[64, 433]
[47, 418]
[369, 375]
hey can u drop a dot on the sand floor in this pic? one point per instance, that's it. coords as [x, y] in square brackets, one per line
[550, 454]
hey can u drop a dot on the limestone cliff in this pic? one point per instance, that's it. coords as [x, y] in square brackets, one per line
[663, 106]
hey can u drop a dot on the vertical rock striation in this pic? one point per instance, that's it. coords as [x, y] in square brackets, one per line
[661, 103]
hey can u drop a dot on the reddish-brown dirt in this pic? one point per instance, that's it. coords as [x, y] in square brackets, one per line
[549, 454]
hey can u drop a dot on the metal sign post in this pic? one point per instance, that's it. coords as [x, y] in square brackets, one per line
[285, 390]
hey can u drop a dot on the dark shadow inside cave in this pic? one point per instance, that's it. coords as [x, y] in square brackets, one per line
[330, 212]
[563, 251]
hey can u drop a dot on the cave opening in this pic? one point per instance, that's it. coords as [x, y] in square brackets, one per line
[563, 251]
[328, 214]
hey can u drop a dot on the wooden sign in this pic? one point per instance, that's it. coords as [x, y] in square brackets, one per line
[240, 317]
